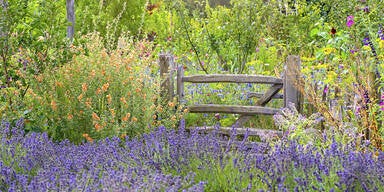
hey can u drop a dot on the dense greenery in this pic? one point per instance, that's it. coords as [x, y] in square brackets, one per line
[105, 83]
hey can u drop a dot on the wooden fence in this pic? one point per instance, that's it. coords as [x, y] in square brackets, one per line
[288, 83]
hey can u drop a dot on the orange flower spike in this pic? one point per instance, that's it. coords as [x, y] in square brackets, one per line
[98, 127]
[109, 98]
[58, 84]
[113, 113]
[123, 136]
[89, 139]
[93, 73]
[54, 105]
[80, 97]
[88, 102]
[98, 91]
[126, 117]
[105, 87]
[171, 104]
[95, 117]
[84, 87]
[122, 99]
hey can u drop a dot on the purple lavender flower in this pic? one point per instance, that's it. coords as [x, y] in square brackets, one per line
[145, 163]
[381, 32]
[366, 41]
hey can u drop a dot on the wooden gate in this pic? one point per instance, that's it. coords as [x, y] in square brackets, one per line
[288, 83]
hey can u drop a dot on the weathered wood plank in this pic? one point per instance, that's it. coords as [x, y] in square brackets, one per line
[268, 95]
[232, 78]
[235, 109]
[291, 86]
[166, 62]
[261, 102]
[180, 83]
[259, 95]
[239, 131]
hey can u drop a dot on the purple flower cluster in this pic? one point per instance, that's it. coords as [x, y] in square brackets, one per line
[381, 32]
[350, 21]
[161, 161]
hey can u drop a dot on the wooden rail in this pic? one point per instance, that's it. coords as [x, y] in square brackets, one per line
[235, 109]
[232, 78]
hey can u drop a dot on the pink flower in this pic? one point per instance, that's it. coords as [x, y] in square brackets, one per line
[350, 21]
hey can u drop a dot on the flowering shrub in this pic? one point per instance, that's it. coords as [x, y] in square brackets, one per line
[343, 77]
[99, 94]
[169, 160]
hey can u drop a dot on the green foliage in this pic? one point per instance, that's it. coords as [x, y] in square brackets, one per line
[111, 18]
[32, 39]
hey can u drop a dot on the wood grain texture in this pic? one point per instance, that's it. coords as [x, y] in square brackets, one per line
[235, 109]
[232, 78]
[292, 74]
[259, 95]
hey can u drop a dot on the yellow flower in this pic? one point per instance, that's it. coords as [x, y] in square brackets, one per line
[329, 50]
[134, 119]
[381, 44]
[366, 48]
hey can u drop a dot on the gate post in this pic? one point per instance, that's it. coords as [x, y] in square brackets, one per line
[166, 62]
[291, 82]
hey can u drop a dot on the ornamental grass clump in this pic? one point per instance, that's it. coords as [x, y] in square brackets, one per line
[100, 93]
[170, 160]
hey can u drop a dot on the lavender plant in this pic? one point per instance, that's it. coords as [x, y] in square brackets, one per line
[169, 160]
